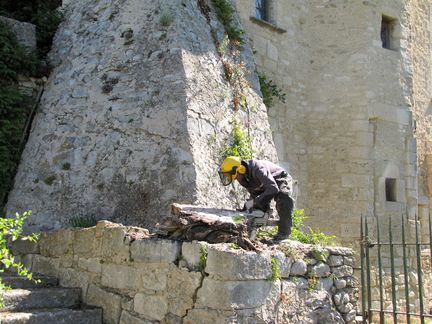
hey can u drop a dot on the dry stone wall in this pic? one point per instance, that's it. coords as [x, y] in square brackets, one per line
[137, 279]
[135, 115]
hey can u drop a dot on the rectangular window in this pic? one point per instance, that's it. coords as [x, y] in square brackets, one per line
[262, 9]
[391, 189]
[387, 30]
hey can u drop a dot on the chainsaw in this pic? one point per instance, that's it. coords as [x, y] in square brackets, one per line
[257, 219]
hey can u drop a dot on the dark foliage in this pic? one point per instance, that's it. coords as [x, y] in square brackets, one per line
[45, 14]
[14, 106]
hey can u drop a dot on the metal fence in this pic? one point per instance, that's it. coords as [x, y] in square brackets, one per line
[399, 300]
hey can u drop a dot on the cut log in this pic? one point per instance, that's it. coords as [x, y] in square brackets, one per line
[212, 225]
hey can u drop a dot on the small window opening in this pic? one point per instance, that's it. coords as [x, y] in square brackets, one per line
[390, 188]
[262, 9]
[388, 25]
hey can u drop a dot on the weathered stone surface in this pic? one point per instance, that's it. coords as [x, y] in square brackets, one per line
[127, 318]
[191, 254]
[335, 260]
[56, 243]
[121, 277]
[237, 265]
[299, 268]
[24, 247]
[25, 32]
[86, 244]
[158, 288]
[319, 269]
[75, 278]
[342, 271]
[233, 294]
[151, 307]
[108, 301]
[115, 245]
[133, 114]
[155, 251]
[181, 289]
[44, 265]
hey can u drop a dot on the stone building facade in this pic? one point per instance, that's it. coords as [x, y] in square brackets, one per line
[355, 128]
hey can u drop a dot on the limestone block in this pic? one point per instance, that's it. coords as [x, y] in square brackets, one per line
[128, 318]
[26, 260]
[349, 261]
[115, 245]
[238, 265]
[217, 294]
[285, 264]
[320, 269]
[272, 51]
[206, 315]
[25, 32]
[91, 265]
[56, 243]
[153, 276]
[342, 271]
[325, 284]
[121, 277]
[45, 265]
[75, 278]
[191, 253]
[335, 260]
[24, 247]
[85, 243]
[151, 307]
[340, 283]
[155, 251]
[299, 268]
[181, 289]
[108, 301]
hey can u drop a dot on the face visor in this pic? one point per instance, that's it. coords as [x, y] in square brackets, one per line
[227, 177]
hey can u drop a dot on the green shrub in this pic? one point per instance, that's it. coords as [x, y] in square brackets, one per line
[241, 143]
[270, 91]
[307, 235]
[224, 12]
[276, 269]
[82, 221]
[11, 230]
[300, 232]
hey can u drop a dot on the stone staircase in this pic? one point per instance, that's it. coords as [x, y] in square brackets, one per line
[44, 303]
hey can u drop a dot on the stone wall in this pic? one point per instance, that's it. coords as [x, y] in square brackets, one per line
[346, 125]
[420, 50]
[25, 32]
[135, 115]
[137, 279]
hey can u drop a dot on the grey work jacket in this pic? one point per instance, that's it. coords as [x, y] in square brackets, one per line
[261, 181]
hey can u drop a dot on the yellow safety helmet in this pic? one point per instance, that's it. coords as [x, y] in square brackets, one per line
[229, 169]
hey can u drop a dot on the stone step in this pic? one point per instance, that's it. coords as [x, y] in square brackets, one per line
[15, 281]
[54, 316]
[22, 299]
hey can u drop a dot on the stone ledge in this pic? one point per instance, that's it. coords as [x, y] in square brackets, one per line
[267, 24]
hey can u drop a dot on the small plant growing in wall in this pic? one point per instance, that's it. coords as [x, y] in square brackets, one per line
[241, 143]
[225, 13]
[276, 269]
[165, 19]
[270, 91]
[203, 258]
[11, 230]
[82, 221]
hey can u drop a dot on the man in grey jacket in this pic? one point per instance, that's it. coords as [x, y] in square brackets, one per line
[264, 181]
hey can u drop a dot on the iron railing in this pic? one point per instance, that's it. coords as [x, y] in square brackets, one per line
[411, 261]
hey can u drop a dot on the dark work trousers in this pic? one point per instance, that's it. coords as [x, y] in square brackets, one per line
[284, 207]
